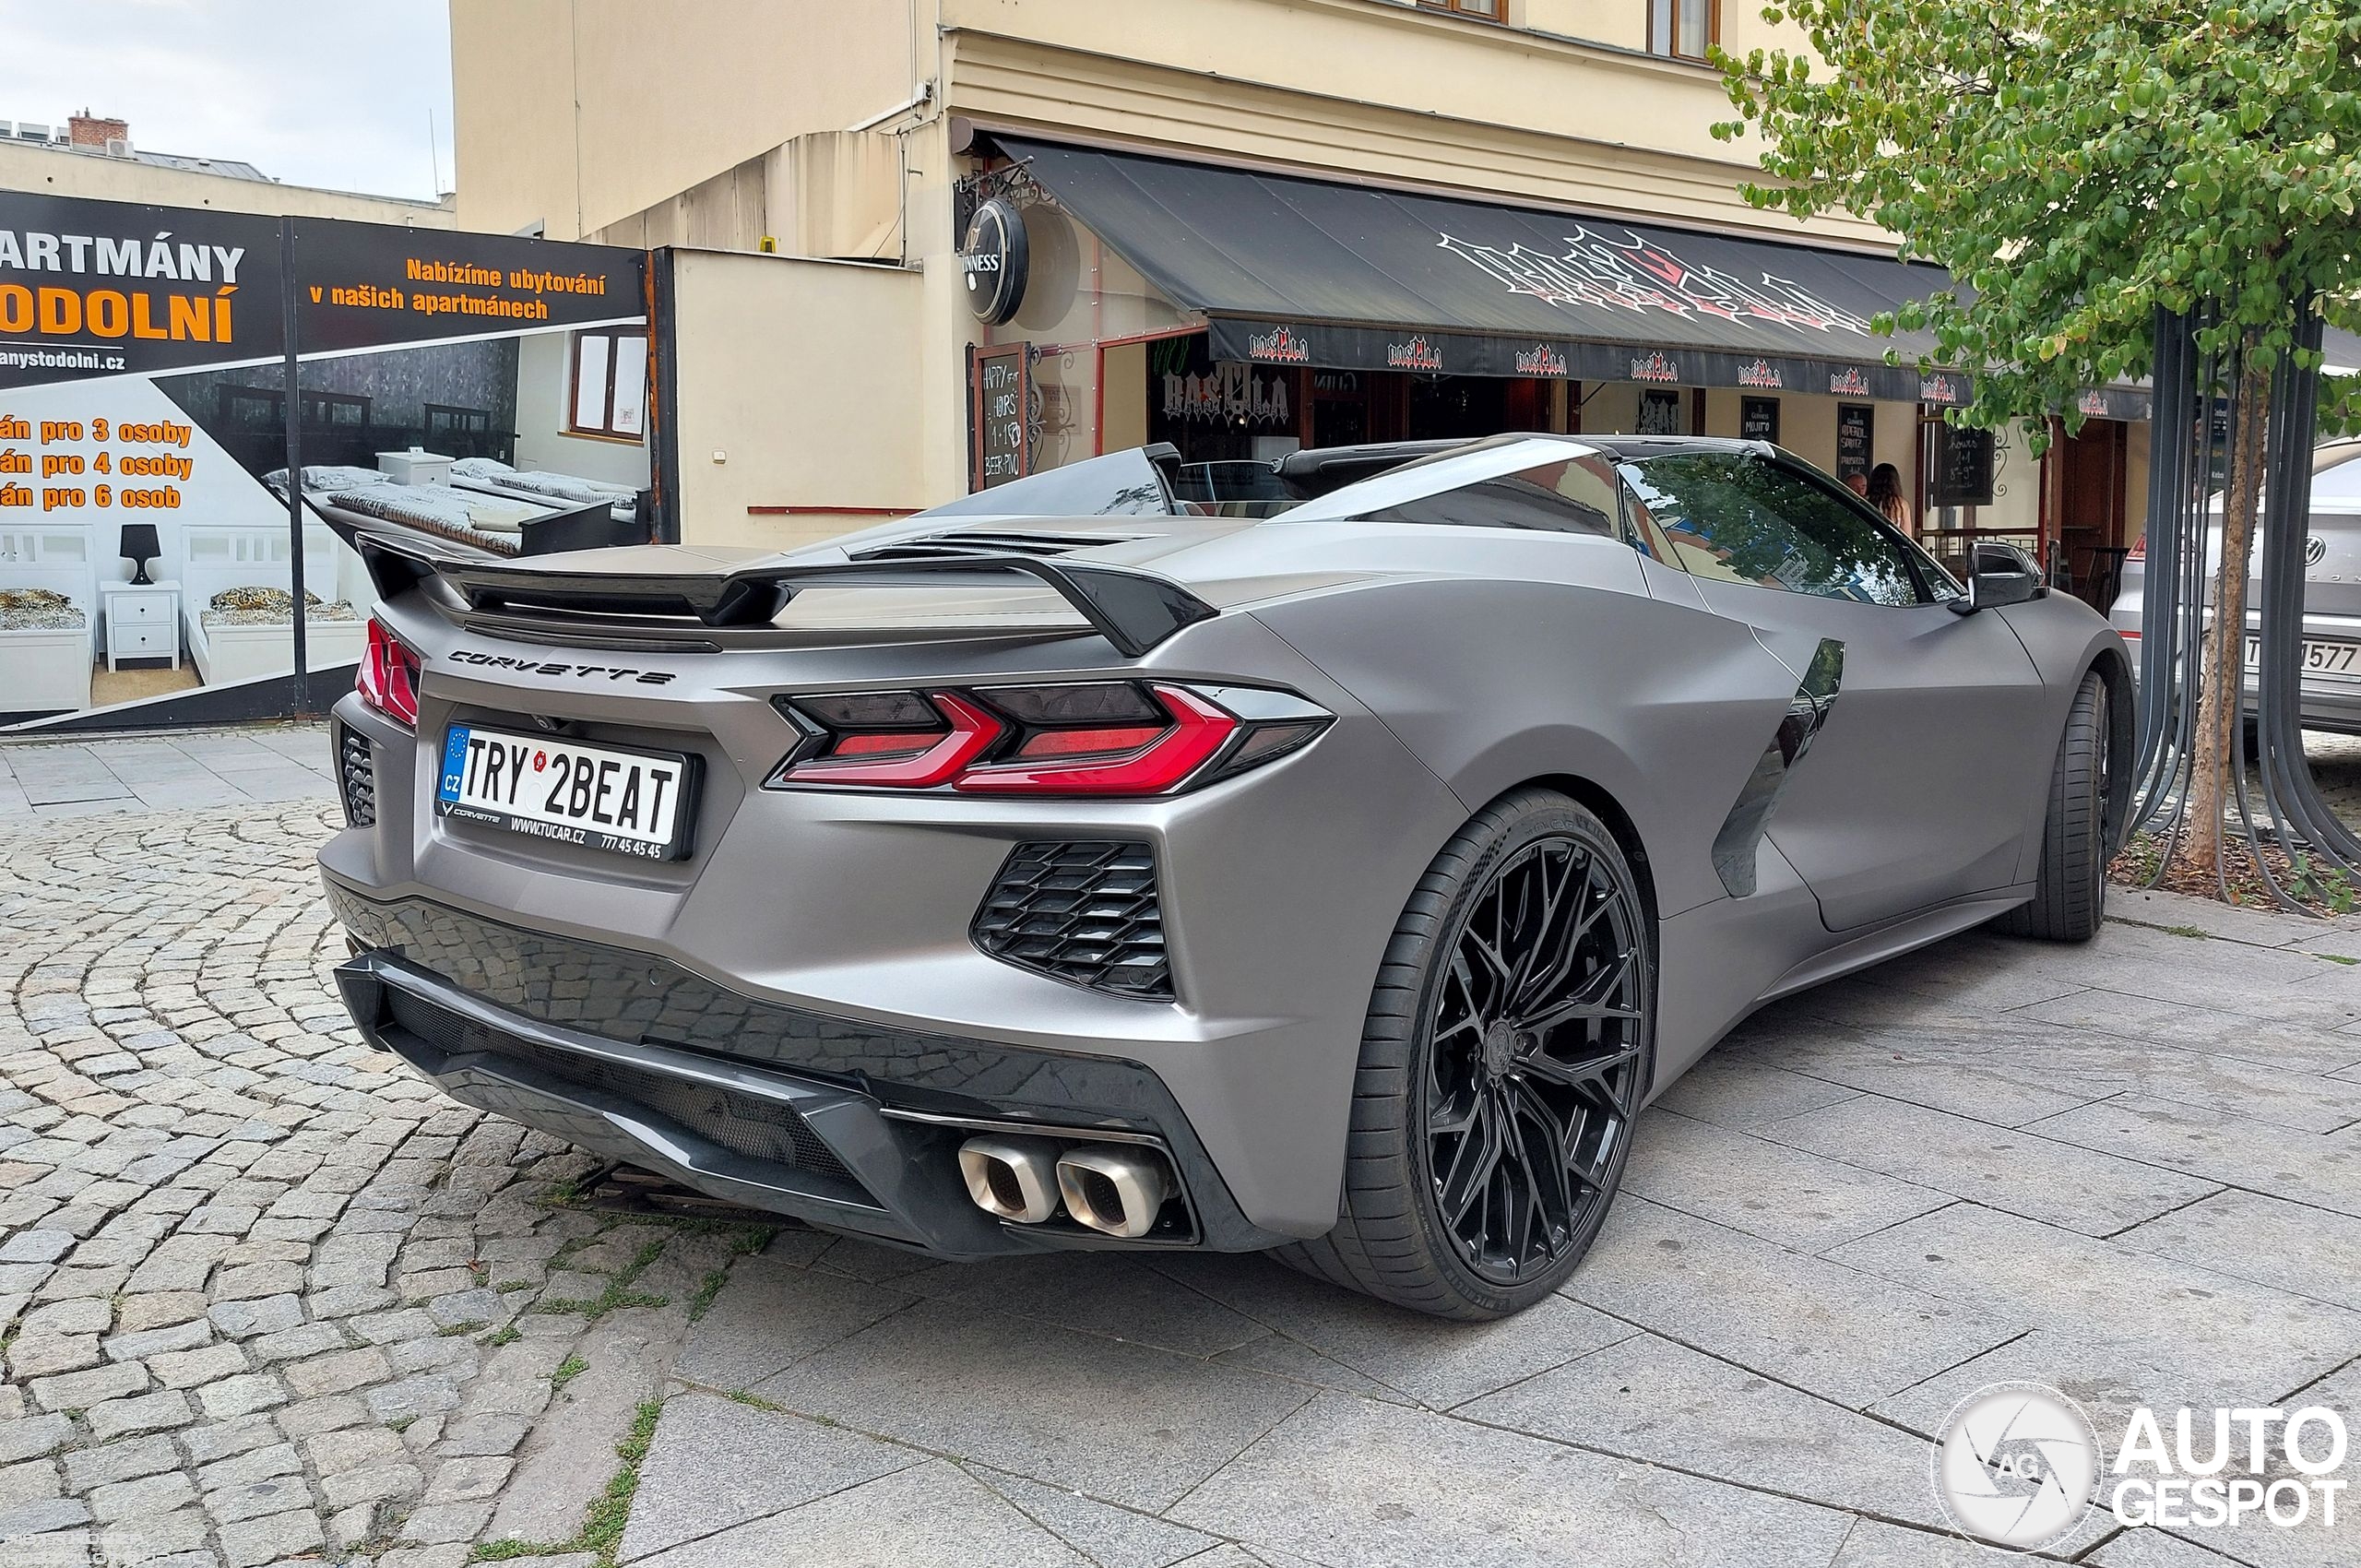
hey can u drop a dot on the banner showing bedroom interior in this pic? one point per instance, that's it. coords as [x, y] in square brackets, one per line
[487, 393]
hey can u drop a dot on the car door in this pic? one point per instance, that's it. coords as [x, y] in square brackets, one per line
[1926, 777]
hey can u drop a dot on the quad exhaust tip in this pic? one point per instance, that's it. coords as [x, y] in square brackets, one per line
[1110, 1188]
[1013, 1178]
[1113, 1191]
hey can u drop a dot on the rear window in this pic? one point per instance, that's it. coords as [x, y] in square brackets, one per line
[2341, 484]
[1573, 495]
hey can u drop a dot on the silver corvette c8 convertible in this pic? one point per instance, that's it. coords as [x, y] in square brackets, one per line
[1076, 866]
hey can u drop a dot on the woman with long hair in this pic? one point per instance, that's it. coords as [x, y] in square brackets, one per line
[1885, 494]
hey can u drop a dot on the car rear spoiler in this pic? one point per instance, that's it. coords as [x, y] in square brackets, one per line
[1132, 610]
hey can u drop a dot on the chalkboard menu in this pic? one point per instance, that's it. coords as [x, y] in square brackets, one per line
[999, 391]
[1855, 433]
[1758, 420]
[1962, 475]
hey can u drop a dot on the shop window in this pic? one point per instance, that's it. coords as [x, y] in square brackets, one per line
[609, 393]
[1487, 9]
[1735, 519]
[1683, 29]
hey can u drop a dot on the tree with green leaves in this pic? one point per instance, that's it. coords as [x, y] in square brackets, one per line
[2077, 165]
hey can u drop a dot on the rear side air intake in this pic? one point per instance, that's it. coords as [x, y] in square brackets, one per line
[1084, 911]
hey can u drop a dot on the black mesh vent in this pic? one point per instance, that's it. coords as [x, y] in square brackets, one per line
[356, 772]
[1084, 911]
[977, 542]
[748, 1124]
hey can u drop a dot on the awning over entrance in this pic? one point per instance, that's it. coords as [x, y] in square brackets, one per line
[1296, 271]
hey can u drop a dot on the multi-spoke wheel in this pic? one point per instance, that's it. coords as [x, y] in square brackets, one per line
[1507, 1051]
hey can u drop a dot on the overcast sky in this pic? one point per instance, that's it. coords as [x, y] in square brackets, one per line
[312, 93]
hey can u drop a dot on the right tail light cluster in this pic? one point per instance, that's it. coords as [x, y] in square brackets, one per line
[1077, 738]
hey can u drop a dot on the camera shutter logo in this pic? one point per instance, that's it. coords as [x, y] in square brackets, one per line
[2015, 1464]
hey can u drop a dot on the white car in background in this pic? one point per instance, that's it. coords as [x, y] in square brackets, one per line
[2331, 665]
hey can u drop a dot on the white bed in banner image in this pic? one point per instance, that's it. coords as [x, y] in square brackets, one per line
[48, 619]
[236, 612]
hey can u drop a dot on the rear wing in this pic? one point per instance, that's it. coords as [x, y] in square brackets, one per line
[1132, 610]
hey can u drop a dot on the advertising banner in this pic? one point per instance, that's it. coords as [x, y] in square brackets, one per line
[101, 288]
[489, 392]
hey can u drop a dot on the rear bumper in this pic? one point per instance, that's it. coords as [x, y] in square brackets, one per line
[2327, 702]
[844, 1125]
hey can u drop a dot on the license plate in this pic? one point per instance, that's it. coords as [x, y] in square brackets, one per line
[629, 802]
[2320, 657]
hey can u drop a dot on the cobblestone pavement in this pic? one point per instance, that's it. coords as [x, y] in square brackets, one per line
[263, 1299]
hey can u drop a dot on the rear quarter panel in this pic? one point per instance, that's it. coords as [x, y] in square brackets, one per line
[1493, 684]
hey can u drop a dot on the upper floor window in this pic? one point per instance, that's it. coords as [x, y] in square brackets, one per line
[1487, 9]
[610, 383]
[1683, 28]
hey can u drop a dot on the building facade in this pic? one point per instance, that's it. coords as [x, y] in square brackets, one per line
[1244, 225]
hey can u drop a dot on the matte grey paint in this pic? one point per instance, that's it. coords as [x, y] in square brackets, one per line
[1460, 663]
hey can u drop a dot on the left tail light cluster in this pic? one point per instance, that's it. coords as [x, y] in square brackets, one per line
[1083, 738]
[388, 677]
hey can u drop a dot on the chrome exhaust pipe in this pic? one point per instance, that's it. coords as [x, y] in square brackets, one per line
[1111, 1189]
[1013, 1178]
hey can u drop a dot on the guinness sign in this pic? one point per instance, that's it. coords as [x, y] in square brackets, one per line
[993, 259]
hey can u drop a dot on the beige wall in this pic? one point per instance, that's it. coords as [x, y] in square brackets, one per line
[576, 114]
[52, 173]
[805, 377]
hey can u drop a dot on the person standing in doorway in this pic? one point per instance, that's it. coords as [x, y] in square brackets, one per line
[1885, 494]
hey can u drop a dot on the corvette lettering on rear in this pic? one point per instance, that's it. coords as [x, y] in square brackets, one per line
[545, 667]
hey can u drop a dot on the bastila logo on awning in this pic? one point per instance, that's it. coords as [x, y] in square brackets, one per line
[1938, 388]
[1541, 359]
[1847, 384]
[1416, 354]
[2092, 404]
[1655, 367]
[1761, 373]
[1280, 346]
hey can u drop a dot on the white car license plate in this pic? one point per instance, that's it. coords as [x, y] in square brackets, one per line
[632, 803]
[2320, 658]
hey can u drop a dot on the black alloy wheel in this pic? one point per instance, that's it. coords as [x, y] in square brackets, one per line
[1508, 1047]
[1533, 1072]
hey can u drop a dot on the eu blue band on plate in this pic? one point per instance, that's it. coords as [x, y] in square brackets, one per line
[455, 761]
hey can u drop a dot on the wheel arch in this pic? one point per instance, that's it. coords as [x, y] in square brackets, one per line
[1601, 802]
[2112, 664]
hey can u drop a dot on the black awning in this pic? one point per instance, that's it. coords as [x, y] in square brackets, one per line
[1297, 271]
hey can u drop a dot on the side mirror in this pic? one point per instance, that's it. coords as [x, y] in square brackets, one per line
[1998, 574]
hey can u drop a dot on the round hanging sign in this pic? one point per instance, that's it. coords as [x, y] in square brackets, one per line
[992, 258]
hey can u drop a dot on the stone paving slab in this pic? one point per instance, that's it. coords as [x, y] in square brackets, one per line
[262, 1298]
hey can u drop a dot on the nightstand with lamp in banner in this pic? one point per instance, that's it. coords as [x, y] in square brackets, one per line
[143, 616]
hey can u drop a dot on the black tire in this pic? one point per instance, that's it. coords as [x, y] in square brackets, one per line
[2070, 885]
[1573, 1038]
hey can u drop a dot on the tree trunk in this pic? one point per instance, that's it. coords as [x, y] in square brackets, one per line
[2222, 700]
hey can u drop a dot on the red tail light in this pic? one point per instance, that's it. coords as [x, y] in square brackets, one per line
[388, 676]
[1114, 761]
[1084, 738]
[906, 757]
